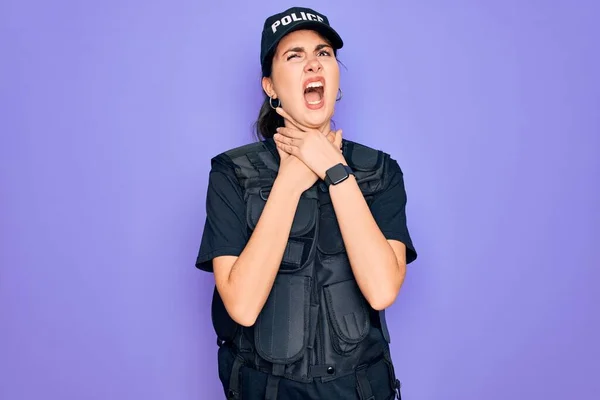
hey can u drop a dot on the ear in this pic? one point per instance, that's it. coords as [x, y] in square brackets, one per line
[267, 84]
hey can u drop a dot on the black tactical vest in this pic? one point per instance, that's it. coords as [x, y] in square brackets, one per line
[316, 324]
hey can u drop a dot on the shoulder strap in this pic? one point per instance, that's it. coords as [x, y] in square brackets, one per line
[255, 166]
[368, 164]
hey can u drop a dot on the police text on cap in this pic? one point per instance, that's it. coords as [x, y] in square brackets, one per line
[293, 17]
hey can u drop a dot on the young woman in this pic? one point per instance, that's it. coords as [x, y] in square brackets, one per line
[306, 236]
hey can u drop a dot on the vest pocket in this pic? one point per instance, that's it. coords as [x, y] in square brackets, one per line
[281, 330]
[348, 315]
[304, 219]
[330, 236]
[302, 233]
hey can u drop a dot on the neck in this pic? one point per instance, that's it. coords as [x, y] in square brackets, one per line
[324, 129]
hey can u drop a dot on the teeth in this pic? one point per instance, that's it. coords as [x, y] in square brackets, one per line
[314, 85]
[312, 103]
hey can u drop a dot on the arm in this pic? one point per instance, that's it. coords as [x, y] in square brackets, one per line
[244, 282]
[379, 265]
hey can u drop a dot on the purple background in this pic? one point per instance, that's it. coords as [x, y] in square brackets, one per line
[110, 112]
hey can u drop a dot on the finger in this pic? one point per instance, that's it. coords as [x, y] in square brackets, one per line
[331, 137]
[282, 154]
[338, 139]
[288, 117]
[287, 148]
[285, 140]
[291, 133]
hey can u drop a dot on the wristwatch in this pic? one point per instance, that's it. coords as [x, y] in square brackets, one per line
[337, 174]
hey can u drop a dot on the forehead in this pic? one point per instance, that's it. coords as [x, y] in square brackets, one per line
[301, 38]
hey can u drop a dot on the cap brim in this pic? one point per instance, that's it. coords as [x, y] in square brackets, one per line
[326, 31]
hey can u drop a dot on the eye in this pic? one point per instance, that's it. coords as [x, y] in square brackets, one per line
[324, 52]
[292, 56]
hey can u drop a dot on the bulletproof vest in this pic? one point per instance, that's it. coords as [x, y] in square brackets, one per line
[316, 323]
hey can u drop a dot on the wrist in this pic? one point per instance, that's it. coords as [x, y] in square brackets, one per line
[331, 164]
[281, 184]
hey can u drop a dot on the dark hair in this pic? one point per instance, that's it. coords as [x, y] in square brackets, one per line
[268, 119]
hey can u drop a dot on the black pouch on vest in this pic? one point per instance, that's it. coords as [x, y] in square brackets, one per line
[302, 233]
[281, 331]
[330, 237]
[348, 315]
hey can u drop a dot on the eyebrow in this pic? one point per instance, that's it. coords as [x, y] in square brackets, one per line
[301, 49]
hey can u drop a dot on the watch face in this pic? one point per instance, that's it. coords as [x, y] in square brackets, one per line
[337, 174]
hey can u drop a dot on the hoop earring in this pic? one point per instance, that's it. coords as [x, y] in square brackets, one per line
[271, 103]
[340, 94]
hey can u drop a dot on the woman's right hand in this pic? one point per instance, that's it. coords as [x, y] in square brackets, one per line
[296, 174]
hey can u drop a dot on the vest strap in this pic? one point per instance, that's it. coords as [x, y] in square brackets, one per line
[293, 253]
[278, 369]
[273, 381]
[263, 171]
[272, 387]
[242, 342]
[365, 392]
[395, 382]
[234, 391]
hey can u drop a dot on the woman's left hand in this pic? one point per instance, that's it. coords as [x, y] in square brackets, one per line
[310, 145]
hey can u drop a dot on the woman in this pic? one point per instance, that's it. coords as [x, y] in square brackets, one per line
[306, 236]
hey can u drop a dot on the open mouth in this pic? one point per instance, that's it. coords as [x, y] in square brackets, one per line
[314, 93]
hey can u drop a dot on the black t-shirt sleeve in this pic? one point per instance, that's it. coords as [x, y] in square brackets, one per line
[225, 229]
[389, 210]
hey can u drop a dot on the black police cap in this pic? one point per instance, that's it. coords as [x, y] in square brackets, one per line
[293, 19]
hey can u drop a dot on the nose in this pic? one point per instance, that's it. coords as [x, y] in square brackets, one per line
[313, 65]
